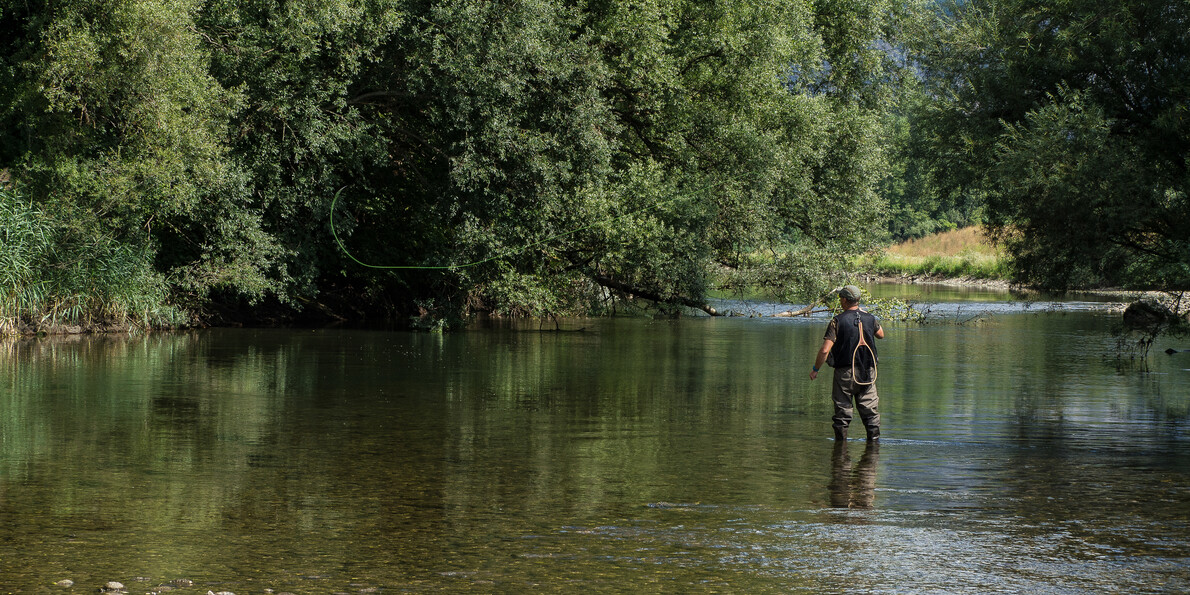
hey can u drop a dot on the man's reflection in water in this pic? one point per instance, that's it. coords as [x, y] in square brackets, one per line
[854, 489]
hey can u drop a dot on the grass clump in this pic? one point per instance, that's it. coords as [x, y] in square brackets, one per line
[965, 252]
[52, 279]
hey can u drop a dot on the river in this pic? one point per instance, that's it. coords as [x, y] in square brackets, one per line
[1021, 454]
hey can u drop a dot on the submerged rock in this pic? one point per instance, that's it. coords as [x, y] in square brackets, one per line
[65, 583]
[1148, 313]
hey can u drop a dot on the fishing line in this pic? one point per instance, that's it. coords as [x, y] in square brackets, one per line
[507, 253]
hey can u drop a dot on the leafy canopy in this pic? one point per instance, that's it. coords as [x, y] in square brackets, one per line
[1072, 118]
[665, 149]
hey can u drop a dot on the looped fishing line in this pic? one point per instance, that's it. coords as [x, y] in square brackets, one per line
[855, 354]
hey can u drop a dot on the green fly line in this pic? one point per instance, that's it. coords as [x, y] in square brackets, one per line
[505, 254]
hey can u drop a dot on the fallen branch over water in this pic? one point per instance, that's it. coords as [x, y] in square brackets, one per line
[637, 292]
[824, 300]
[808, 310]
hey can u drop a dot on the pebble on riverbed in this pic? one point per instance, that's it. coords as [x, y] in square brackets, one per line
[113, 587]
[65, 583]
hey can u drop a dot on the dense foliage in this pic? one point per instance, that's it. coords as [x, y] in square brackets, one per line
[1072, 119]
[660, 147]
[918, 204]
[543, 157]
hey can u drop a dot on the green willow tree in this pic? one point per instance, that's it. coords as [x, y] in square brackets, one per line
[680, 142]
[113, 124]
[917, 205]
[300, 134]
[578, 152]
[1073, 119]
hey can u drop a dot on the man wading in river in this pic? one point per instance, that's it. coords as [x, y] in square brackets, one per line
[849, 346]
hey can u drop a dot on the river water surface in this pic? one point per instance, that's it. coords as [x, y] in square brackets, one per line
[1020, 455]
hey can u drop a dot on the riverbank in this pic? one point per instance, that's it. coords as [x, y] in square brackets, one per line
[11, 328]
[967, 257]
[944, 280]
[319, 317]
[1122, 297]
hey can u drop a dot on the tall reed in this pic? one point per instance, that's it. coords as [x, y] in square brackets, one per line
[51, 280]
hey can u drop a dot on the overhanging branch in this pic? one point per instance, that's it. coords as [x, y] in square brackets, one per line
[613, 284]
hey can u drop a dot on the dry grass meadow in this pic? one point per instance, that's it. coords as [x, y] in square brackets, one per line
[965, 252]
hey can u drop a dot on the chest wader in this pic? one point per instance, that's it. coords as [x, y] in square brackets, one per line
[858, 390]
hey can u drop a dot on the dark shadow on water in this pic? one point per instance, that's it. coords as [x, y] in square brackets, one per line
[853, 488]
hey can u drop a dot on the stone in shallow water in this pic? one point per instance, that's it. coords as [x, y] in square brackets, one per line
[1148, 313]
[65, 583]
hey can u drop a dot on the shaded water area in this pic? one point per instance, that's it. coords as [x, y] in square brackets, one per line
[689, 455]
